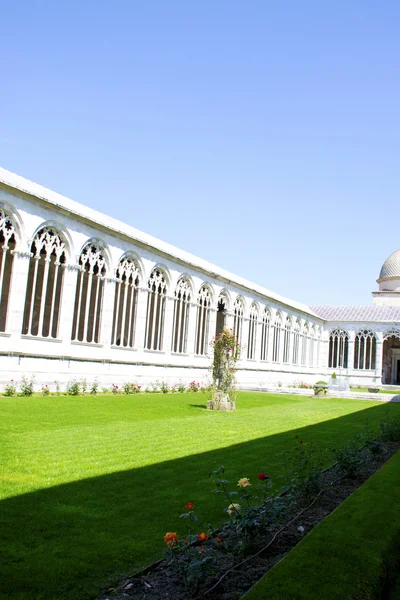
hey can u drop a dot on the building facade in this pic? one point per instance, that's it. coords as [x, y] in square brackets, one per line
[84, 295]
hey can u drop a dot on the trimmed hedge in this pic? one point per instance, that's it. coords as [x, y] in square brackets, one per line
[351, 554]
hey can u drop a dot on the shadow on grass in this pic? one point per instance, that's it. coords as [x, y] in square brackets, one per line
[204, 406]
[69, 541]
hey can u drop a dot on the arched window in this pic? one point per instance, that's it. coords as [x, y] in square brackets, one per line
[253, 321]
[182, 297]
[7, 243]
[311, 354]
[203, 320]
[89, 294]
[222, 308]
[338, 349]
[296, 342]
[266, 320]
[238, 310]
[125, 302]
[305, 341]
[44, 285]
[364, 350]
[276, 344]
[157, 291]
[286, 340]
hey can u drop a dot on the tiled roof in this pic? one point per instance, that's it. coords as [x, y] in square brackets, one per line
[358, 313]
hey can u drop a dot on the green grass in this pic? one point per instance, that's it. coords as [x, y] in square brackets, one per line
[352, 554]
[89, 486]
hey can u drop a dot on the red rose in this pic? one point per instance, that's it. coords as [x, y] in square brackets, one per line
[189, 505]
[202, 537]
[263, 476]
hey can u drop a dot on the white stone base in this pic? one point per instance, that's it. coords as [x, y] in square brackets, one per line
[220, 401]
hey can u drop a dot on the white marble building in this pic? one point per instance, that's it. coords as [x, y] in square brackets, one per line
[85, 295]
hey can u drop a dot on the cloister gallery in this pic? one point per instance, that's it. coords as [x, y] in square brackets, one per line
[84, 295]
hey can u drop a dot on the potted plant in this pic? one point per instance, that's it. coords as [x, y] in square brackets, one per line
[320, 388]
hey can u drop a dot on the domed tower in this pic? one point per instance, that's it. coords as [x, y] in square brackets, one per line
[389, 282]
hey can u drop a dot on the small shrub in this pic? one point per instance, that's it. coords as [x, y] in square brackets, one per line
[105, 390]
[94, 388]
[10, 389]
[193, 386]
[115, 389]
[45, 390]
[131, 388]
[302, 468]
[180, 387]
[389, 430]
[84, 385]
[57, 385]
[72, 388]
[26, 385]
[164, 387]
[349, 457]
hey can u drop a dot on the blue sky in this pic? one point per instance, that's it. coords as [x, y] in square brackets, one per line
[261, 136]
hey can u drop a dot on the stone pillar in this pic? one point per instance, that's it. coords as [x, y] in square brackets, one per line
[245, 338]
[16, 303]
[379, 357]
[191, 328]
[257, 351]
[229, 320]
[70, 279]
[350, 355]
[141, 313]
[107, 311]
[290, 348]
[166, 342]
[211, 329]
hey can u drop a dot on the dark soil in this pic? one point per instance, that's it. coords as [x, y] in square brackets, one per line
[161, 581]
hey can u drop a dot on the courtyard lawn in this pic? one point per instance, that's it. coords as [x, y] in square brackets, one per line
[89, 486]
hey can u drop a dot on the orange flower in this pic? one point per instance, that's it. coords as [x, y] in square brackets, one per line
[189, 505]
[201, 549]
[171, 539]
[202, 537]
[219, 539]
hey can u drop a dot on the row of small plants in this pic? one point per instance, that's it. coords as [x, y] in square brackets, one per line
[81, 387]
[198, 556]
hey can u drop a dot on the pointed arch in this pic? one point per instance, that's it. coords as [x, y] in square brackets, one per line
[156, 299]
[89, 293]
[338, 349]
[253, 324]
[286, 339]
[44, 284]
[265, 333]
[296, 342]
[182, 299]
[204, 301]
[8, 242]
[238, 313]
[305, 342]
[125, 302]
[364, 350]
[222, 310]
[276, 344]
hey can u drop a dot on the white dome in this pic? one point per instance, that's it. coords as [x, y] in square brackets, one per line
[391, 266]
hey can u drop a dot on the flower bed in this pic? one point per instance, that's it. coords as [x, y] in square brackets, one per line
[262, 525]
